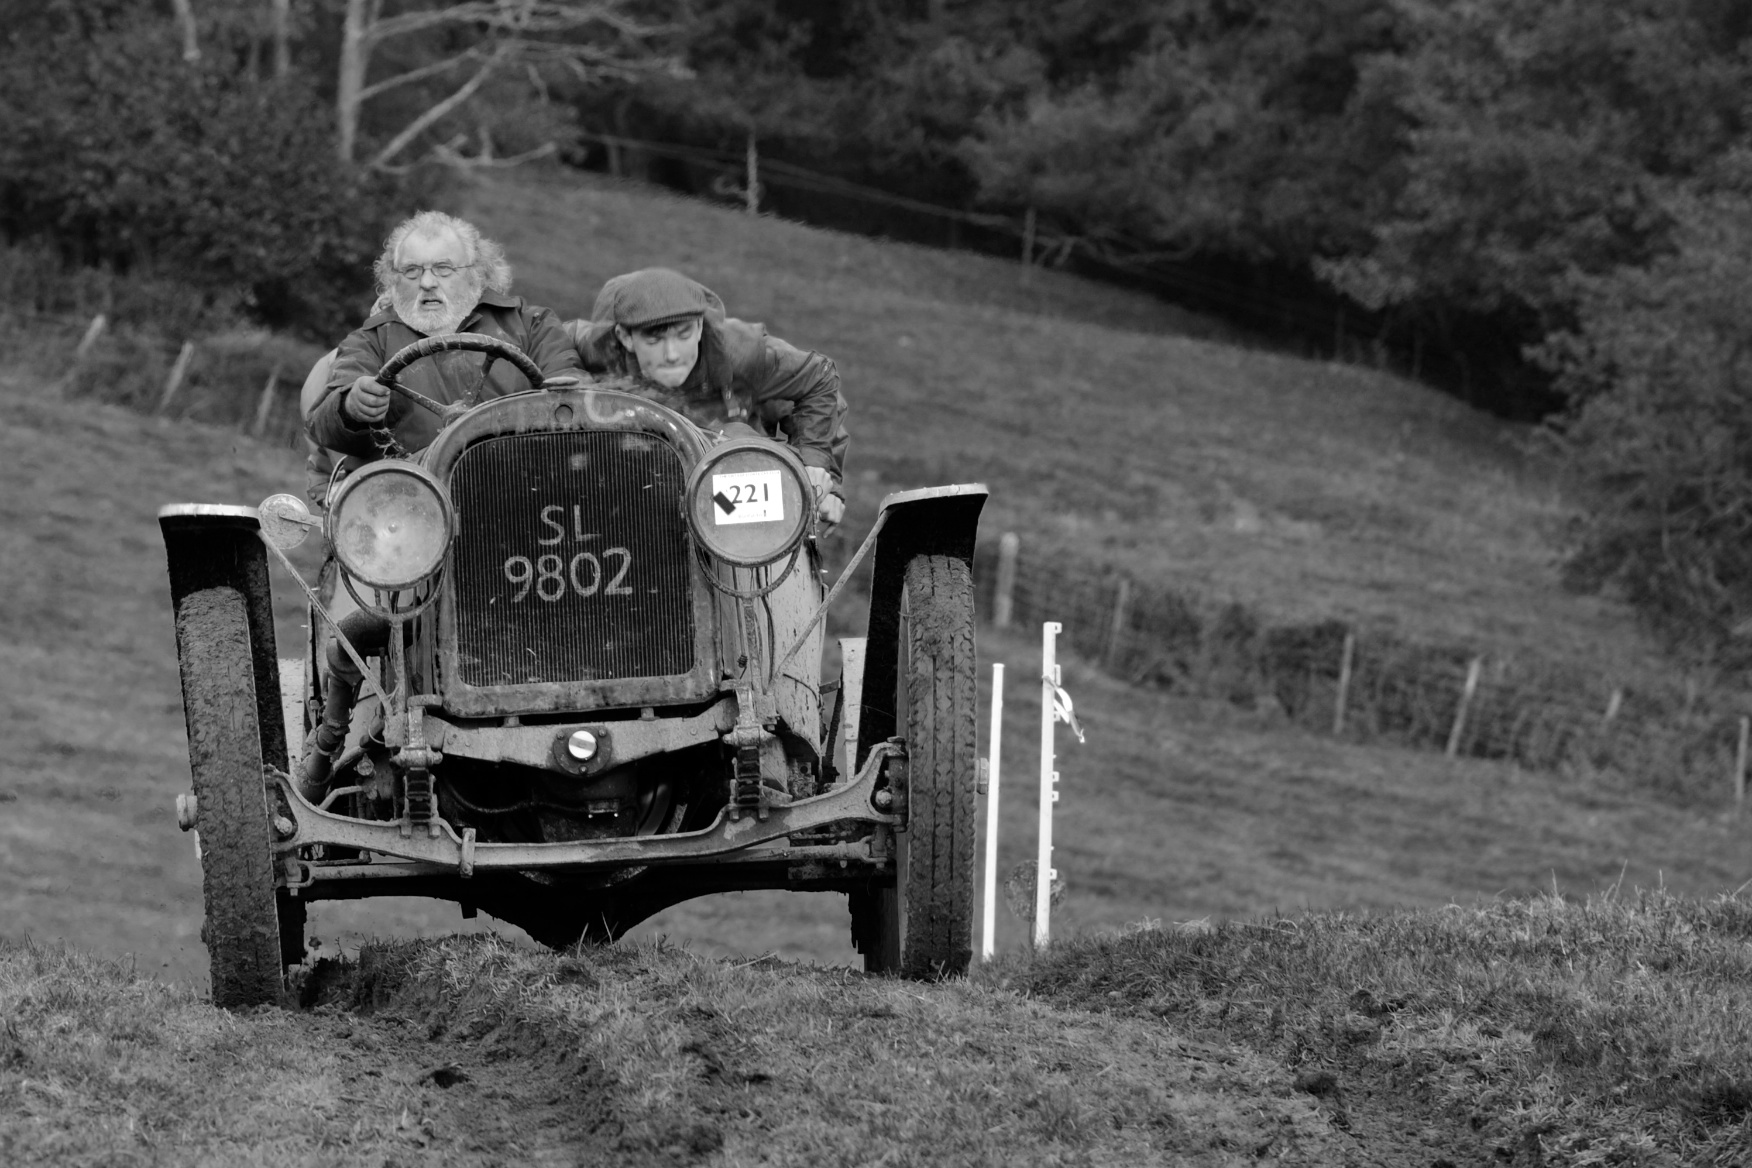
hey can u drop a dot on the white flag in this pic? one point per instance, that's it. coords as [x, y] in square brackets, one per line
[1062, 710]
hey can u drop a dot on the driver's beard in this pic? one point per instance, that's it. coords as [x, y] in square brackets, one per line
[436, 322]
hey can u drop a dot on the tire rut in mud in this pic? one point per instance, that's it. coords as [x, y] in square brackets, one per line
[477, 1089]
[468, 1100]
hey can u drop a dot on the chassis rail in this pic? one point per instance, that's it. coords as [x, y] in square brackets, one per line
[443, 848]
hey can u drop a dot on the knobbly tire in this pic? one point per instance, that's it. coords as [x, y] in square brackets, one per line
[243, 929]
[922, 926]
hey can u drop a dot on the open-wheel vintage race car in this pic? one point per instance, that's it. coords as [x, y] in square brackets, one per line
[592, 688]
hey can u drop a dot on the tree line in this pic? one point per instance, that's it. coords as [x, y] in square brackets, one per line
[1544, 203]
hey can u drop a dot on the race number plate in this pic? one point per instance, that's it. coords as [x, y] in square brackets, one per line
[750, 496]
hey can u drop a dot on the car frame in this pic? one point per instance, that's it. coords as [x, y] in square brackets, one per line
[743, 770]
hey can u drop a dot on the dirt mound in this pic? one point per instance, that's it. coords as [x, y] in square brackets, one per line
[469, 1051]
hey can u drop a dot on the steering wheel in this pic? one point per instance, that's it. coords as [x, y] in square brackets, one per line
[493, 347]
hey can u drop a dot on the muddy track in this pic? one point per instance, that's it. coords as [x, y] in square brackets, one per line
[486, 1099]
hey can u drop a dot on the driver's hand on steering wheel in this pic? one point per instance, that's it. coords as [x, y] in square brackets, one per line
[367, 401]
[828, 506]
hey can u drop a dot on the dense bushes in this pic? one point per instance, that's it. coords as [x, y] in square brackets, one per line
[1435, 163]
[47, 306]
[1660, 369]
[124, 156]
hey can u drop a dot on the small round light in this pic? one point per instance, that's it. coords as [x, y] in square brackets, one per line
[749, 502]
[390, 525]
[581, 745]
[285, 520]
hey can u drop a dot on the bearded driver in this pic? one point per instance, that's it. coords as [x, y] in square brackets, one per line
[672, 332]
[441, 277]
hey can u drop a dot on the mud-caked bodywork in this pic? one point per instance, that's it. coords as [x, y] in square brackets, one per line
[590, 637]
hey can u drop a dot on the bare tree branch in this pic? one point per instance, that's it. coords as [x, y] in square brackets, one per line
[350, 77]
[185, 16]
[520, 17]
[449, 155]
[521, 31]
[393, 26]
[420, 74]
[419, 125]
[282, 32]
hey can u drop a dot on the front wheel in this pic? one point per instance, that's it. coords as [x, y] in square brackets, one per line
[922, 925]
[246, 943]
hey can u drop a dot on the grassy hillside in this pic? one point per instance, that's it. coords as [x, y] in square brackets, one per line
[1179, 810]
[1533, 1032]
[1113, 427]
[1126, 441]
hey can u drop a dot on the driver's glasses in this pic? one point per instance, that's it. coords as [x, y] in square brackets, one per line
[681, 332]
[442, 269]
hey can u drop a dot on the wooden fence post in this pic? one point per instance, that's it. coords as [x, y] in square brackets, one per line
[1472, 672]
[1003, 603]
[1614, 703]
[266, 405]
[751, 177]
[93, 331]
[1121, 619]
[177, 372]
[1740, 766]
[1344, 680]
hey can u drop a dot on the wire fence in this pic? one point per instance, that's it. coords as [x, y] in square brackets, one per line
[1037, 240]
[1371, 685]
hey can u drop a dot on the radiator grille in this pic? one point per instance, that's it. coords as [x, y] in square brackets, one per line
[571, 559]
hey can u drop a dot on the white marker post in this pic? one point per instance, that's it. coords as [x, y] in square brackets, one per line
[1049, 683]
[988, 919]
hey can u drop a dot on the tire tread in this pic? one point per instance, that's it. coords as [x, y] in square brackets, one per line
[941, 731]
[225, 760]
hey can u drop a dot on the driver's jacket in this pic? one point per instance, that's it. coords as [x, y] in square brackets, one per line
[444, 377]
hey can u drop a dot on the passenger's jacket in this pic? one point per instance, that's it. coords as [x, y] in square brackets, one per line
[742, 375]
[445, 377]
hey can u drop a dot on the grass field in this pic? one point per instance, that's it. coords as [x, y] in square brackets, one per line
[1362, 954]
[1534, 1032]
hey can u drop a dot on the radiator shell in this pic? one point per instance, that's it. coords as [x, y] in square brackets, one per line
[573, 583]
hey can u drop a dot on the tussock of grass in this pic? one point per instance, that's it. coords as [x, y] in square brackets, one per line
[1612, 1031]
[766, 1062]
[93, 1060]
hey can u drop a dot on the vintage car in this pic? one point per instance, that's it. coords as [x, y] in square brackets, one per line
[598, 692]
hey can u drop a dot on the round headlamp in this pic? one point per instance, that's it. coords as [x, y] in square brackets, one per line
[749, 502]
[390, 524]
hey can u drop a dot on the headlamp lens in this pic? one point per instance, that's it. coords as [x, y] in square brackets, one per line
[749, 502]
[390, 526]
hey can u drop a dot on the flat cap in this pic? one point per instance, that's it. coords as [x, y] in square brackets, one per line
[653, 296]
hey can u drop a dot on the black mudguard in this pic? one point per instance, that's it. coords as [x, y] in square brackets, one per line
[933, 521]
[215, 546]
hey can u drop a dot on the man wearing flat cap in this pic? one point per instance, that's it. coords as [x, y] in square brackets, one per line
[672, 332]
